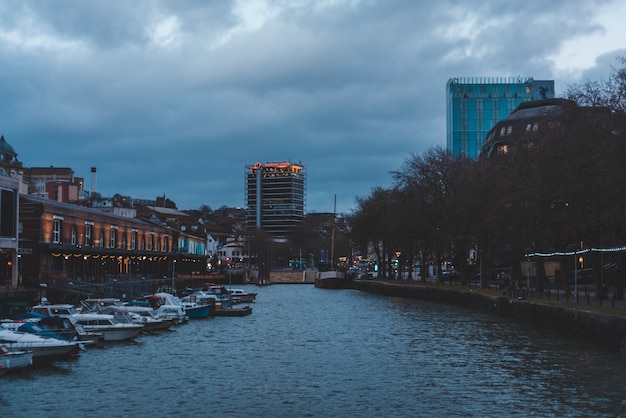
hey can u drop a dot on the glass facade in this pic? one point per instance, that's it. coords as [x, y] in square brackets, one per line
[475, 104]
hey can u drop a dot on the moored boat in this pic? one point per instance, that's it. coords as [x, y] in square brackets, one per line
[108, 326]
[331, 280]
[45, 350]
[230, 311]
[10, 360]
[111, 328]
[195, 310]
[241, 296]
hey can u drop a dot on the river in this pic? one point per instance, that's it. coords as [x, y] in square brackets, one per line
[308, 352]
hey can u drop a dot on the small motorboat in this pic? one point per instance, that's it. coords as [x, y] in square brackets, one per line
[10, 360]
[45, 350]
[195, 310]
[241, 296]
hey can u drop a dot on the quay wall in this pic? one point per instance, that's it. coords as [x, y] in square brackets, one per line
[593, 326]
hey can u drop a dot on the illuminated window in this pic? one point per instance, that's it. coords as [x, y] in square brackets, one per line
[56, 231]
[88, 234]
[113, 240]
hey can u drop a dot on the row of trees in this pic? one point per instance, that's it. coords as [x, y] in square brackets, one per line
[562, 190]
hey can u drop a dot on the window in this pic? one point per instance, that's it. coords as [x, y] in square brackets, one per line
[56, 231]
[102, 238]
[124, 240]
[8, 210]
[166, 243]
[133, 240]
[151, 242]
[73, 237]
[113, 237]
[88, 234]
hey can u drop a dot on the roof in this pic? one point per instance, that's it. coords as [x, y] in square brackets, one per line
[166, 211]
[5, 148]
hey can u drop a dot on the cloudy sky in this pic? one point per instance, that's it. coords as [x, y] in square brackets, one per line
[176, 97]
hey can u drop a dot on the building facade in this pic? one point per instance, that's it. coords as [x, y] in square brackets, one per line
[275, 197]
[61, 241]
[55, 183]
[11, 173]
[475, 104]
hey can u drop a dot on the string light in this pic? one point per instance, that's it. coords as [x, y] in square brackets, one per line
[581, 251]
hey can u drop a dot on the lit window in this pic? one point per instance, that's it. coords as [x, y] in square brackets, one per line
[113, 238]
[88, 234]
[56, 231]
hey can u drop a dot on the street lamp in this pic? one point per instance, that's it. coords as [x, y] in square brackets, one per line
[173, 272]
[576, 275]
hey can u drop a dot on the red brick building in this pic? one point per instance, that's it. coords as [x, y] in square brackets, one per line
[64, 241]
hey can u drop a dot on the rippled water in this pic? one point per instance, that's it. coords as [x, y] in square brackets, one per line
[334, 353]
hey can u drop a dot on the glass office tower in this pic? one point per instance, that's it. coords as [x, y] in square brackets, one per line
[475, 104]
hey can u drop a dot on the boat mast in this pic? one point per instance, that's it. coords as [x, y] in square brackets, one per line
[332, 239]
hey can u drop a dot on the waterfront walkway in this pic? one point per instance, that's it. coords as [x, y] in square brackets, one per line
[587, 299]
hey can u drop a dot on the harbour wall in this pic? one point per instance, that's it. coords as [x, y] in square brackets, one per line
[593, 326]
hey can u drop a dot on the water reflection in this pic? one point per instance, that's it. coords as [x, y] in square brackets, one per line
[315, 352]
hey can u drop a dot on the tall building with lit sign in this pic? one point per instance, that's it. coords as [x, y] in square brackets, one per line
[275, 197]
[475, 104]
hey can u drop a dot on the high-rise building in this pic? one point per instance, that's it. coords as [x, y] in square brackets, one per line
[275, 197]
[475, 104]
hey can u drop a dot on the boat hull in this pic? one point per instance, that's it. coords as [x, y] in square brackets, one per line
[119, 334]
[331, 280]
[45, 350]
[247, 310]
[10, 360]
[198, 312]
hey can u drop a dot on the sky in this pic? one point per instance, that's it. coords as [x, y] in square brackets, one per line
[176, 97]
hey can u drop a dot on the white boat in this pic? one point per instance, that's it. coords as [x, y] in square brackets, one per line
[45, 350]
[54, 327]
[168, 306]
[14, 359]
[175, 313]
[143, 315]
[62, 310]
[110, 327]
[241, 296]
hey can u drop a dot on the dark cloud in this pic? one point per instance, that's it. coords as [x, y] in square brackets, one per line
[177, 97]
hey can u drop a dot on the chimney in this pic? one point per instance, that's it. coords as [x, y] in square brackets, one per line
[93, 180]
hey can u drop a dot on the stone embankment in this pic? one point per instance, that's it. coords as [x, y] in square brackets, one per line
[288, 277]
[594, 326]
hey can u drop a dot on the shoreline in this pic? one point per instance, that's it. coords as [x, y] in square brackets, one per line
[591, 325]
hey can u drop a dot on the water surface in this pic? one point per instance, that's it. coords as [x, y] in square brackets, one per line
[342, 353]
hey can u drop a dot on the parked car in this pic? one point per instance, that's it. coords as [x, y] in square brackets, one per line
[450, 274]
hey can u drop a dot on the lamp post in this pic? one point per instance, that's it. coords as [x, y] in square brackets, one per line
[173, 272]
[576, 275]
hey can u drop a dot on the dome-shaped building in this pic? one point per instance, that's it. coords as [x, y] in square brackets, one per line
[9, 164]
[527, 120]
